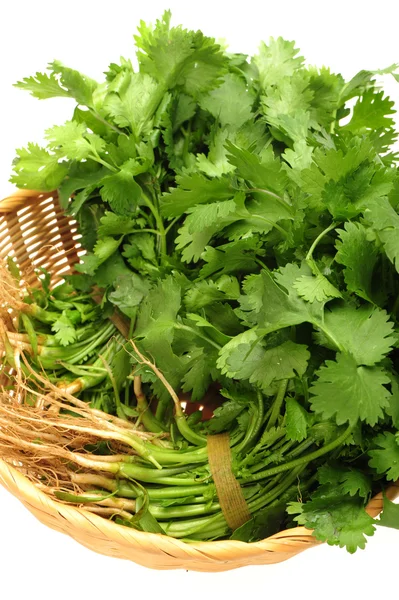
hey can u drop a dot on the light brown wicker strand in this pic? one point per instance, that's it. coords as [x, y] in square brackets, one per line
[27, 208]
[159, 551]
[36, 232]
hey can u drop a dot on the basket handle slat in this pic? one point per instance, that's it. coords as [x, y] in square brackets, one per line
[17, 199]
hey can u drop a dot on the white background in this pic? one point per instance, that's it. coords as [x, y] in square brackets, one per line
[35, 562]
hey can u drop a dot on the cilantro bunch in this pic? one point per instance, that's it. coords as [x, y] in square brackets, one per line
[242, 213]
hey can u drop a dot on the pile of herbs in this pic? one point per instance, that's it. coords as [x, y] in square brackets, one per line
[242, 213]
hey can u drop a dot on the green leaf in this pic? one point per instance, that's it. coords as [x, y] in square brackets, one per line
[140, 254]
[37, 169]
[390, 514]
[359, 257]
[281, 362]
[297, 420]
[266, 173]
[128, 294]
[385, 460]
[245, 357]
[265, 523]
[240, 356]
[184, 110]
[78, 85]
[393, 409]
[112, 224]
[109, 271]
[120, 189]
[159, 310]
[277, 60]
[176, 56]
[385, 222]
[339, 521]
[230, 258]
[65, 331]
[300, 157]
[105, 247]
[357, 85]
[345, 480]
[121, 368]
[371, 112]
[224, 318]
[134, 104]
[192, 190]
[207, 215]
[89, 264]
[349, 196]
[213, 333]
[73, 141]
[327, 89]
[201, 294]
[230, 103]
[215, 163]
[347, 393]
[287, 108]
[81, 176]
[311, 288]
[201, 224]
[42, 86]
[363, 332]
[332, 165]
[226, 414]
[266, 304]
[198, 375]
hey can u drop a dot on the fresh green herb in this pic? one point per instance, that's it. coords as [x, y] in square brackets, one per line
[244, 219]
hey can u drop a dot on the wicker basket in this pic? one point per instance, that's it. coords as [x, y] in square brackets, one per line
[34, 230]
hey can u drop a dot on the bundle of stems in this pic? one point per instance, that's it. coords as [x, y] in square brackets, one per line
[119, 469]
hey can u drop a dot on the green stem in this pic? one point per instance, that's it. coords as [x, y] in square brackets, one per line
[186, 145]
[105, 122]
[277, 404]
[272, 195]
[261, 264]
[98, 159]
[277, 490]
[184, 510]
[159, 222]
[271, 223]
[187, 432]
[177, 492]
[150, 421]
[173, 457]
[169, 227]
[280, 433]
[198, 334]
[329, 335]
[148, 475]
[162, 406]
[319, 237]
[254, 427]
[300, 461]
[154, 231]
[334, 114]
[275, 457]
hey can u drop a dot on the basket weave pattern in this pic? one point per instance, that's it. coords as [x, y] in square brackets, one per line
[34, 230]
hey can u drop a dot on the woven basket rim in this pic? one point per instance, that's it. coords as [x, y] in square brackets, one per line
[201, 555]
[35, 495]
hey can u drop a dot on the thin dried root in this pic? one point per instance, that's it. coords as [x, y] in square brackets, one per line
[145, 361]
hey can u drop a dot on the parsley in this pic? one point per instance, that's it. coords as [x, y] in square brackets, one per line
[244, 219]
